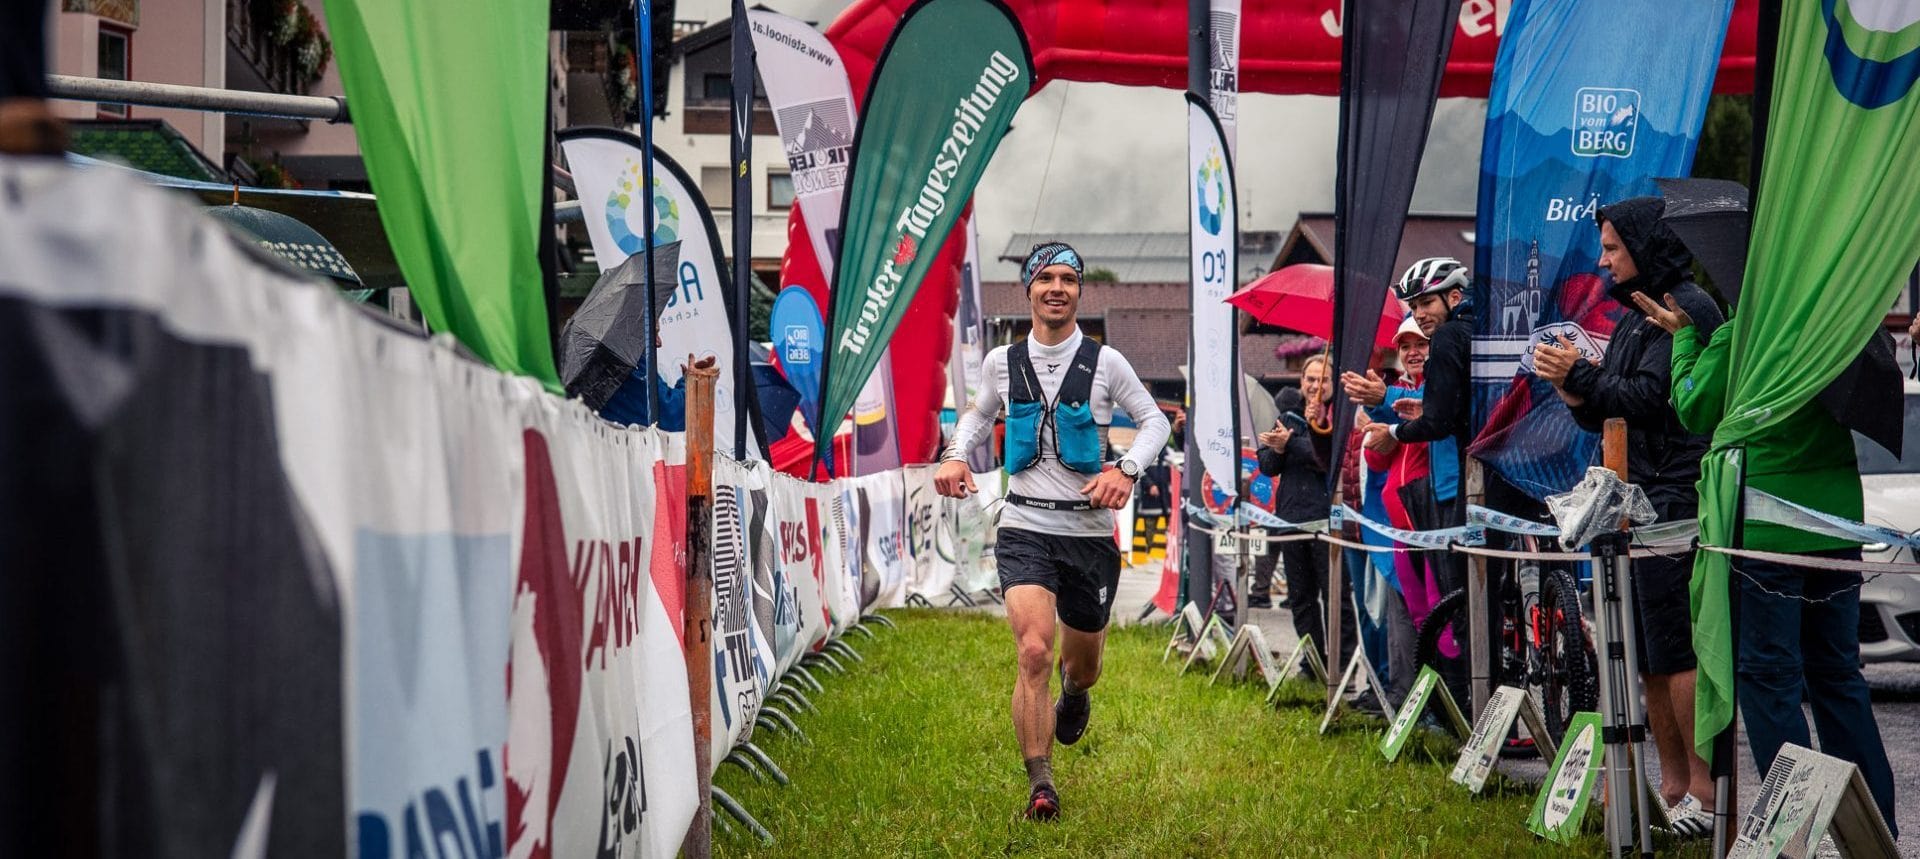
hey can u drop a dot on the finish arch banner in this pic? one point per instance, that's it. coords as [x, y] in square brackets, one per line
[943, 96]
[606, 165]
[1558, 147]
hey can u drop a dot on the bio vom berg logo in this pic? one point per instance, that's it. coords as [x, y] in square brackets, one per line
[1211, 187]
[1604, 121]
[1873, 49]
[623, 204]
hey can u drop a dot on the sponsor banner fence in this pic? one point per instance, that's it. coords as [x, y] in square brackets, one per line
[468, 633]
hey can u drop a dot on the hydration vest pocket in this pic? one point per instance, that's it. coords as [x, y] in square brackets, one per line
[1078, 437]
[1023, 434]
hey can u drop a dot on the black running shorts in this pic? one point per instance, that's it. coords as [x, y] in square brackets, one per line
[1082, 573]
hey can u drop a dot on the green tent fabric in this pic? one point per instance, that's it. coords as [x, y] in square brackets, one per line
[449, 103]
[1836, 231]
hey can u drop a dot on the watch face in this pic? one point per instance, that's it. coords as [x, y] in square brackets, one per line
[1129, 468]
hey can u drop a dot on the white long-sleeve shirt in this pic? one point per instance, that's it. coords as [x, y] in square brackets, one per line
[1114, 384]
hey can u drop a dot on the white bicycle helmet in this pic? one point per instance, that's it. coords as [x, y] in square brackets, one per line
[1431, 275]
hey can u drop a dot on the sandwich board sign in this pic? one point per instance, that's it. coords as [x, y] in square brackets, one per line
[1569, 786]
[1186, 629]
[1483, 745]
[1424, 689]
[1212, 643]
[1249, 642]
[1806, 796]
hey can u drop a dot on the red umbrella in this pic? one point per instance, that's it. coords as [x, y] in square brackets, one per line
[1300, 297]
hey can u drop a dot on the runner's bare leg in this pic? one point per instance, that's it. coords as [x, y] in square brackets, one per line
[1030, 611]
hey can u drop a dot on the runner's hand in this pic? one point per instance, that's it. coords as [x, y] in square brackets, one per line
[1109, 490]
[1671, 317]
[1366, 390]
[954, 479]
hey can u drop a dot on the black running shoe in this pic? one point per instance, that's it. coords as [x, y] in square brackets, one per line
[1044, 804]
[1070, 713]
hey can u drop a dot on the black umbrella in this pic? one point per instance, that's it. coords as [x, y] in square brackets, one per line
[1710, 216]
[1866, 397]
[292, 241]
[607, 337]
[778, 400]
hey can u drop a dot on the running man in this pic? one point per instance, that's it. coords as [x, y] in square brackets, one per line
[1059, 564]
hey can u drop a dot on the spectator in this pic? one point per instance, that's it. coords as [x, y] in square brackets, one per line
[1798, 633]
[1644, 257]
[1407, 473]
[1297, 451]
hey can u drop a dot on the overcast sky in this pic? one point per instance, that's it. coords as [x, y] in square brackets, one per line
[1097, 157]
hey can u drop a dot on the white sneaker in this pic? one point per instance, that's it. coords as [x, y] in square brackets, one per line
[1688, 820]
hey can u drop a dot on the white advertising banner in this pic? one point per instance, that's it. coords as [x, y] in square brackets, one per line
[886, 538]
[1223, 68]
[1214, 229]
[606, 165]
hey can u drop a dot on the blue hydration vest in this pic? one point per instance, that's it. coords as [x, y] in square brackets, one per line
[1077, 439]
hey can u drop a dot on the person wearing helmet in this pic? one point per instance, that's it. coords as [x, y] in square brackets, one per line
[1435, 291]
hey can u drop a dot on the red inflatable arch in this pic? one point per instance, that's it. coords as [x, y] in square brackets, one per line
[1286, 46]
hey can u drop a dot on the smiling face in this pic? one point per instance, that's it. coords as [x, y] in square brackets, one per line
[1316, 381]
[1054, 296]
[1413, 354]
[1431, 309]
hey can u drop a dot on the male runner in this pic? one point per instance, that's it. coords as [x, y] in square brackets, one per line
[1056, 553]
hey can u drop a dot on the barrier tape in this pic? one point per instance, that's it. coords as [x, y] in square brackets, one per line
[1779, 511]
[1661, 539]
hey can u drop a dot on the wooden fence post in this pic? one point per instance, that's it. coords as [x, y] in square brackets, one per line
[698, 629]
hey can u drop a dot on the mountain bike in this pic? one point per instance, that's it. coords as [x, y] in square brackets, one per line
[1545, 648]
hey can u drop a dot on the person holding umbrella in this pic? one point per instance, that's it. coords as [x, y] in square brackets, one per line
[1646, 259]
[1799, 634]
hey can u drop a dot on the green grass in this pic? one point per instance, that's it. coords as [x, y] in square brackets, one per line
[912, 753]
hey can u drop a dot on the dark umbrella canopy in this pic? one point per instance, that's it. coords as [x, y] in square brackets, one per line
[607, 336]
[289, 239]
[1711, 217]
[1866, 397]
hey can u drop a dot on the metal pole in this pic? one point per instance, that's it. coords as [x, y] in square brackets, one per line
[1196, 548]
[1480, 654]
[1623, 720]
[741, 146]
[643, 50]
[699, 606]
[1331, 593]
[322, 108]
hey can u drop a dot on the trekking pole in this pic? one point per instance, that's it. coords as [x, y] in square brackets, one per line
[699, 607]
[1623, 723]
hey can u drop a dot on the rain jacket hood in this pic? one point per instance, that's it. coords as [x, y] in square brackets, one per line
[1662, 259]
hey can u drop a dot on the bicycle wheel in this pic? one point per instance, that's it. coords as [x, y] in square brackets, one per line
[1450, 611]
[1570, 675]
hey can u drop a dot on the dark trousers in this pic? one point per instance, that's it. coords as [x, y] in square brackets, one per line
[1304, 563]
[1789, 646]
[1263, 565]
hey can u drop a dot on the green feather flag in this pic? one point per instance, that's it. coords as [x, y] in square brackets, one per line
[449, 102]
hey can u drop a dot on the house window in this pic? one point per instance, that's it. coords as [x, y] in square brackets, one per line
[779, 190]
[717, 88]
[116, 63]
[714, 186]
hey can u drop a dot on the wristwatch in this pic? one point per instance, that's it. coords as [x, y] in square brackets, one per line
[1129, 468]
